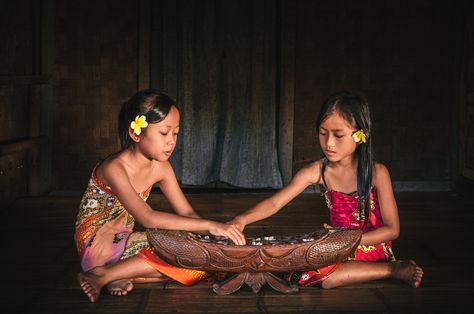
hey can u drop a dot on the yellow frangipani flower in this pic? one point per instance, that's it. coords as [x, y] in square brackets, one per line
[359, 136]
[138, 124]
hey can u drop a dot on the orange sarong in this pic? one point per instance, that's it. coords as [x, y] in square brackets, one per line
[183, 275]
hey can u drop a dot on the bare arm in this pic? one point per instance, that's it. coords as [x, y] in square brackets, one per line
[173, 193]
[270, 206]
[388, 208]
[120, 184]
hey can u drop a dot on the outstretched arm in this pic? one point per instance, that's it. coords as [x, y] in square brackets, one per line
[173, 193]
[120, 184]
[388, 208]
[268, 207]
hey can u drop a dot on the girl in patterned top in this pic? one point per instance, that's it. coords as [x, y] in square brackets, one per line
[358, 192]
[112, 253]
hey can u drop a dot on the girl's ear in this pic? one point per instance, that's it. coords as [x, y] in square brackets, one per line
[133, 136]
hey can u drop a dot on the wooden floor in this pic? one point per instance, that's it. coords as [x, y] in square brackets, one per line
[40, 261]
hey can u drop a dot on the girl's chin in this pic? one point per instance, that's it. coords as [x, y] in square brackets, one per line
[331, 158]
[164, 157]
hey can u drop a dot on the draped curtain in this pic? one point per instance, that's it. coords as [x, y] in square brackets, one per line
[219, 62]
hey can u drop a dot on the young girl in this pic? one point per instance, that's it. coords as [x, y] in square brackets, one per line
[111, 252]
[358, 193]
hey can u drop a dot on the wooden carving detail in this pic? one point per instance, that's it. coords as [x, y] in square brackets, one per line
[280, 254]
[255, 261]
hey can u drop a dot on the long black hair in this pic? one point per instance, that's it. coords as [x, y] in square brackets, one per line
[155, 105]
[355, 110]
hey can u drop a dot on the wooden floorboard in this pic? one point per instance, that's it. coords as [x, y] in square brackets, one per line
[41, 262]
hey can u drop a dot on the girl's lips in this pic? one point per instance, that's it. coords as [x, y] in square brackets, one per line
[168, 153]
[329, 152]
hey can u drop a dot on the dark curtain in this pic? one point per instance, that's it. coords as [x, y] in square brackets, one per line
[224, 57]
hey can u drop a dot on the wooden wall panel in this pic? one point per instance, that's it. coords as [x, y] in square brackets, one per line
[13, 174]
[95, 72]
[13, 111]
[401, 56]
[16, 33]
[467, 109]
[16, 60]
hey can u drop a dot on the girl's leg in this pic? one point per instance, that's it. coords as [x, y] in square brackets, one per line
[123, 286]
[93, 280]
[358, 271]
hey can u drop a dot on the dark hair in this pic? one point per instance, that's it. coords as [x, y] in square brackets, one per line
[355, 110]
[155, 105]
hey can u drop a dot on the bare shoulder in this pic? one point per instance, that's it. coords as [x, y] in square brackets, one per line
[381, 174]
[311, 172]
[111, 169]
[162, 171]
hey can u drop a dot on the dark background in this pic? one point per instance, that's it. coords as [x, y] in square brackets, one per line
[66, 67]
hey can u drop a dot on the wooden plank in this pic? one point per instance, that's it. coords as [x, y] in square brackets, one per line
[47, 37]
[144, 19]
[41, 104]
[287, 32]
[35, 147]
[156, 45]
[36, 47]
[170, 52]
[17, 146]
[422, 217]
[25, 80]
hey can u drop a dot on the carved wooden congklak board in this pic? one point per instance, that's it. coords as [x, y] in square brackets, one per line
[258, 258]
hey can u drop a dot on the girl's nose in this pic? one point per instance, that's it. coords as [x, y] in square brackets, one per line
[330, 142]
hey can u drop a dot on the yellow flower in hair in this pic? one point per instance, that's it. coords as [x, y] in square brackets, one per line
[359, 136]
[138, 124]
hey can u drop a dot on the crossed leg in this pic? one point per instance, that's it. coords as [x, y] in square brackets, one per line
[117, 277]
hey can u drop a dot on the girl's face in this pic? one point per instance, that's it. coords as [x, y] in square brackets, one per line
[159, 139]
[335, 138]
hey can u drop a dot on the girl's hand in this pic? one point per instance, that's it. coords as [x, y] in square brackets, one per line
[327, 226]
[227, 231]
[238, 223]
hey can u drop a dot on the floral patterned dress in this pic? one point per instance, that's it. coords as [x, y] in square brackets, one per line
[104, 228]
[344, 212]
[104, 234]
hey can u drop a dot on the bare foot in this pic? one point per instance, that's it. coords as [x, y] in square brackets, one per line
[120, 287]
[408, 272]
[90, 284]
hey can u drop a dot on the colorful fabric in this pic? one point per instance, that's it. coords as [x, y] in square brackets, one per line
[312, 277]
[104, 232]
[344, 212]
[185, 276]
[104, 228]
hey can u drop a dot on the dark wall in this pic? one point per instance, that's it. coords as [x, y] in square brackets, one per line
[16, 59]
[466, 114]
[404, 57]
[96, 53]
[407, 57]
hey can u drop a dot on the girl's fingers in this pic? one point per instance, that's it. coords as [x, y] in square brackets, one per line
[229, 231]
[237, 236]
[241, 237]
[233, 237]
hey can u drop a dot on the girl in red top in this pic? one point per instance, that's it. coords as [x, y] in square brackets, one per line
[358, 192]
